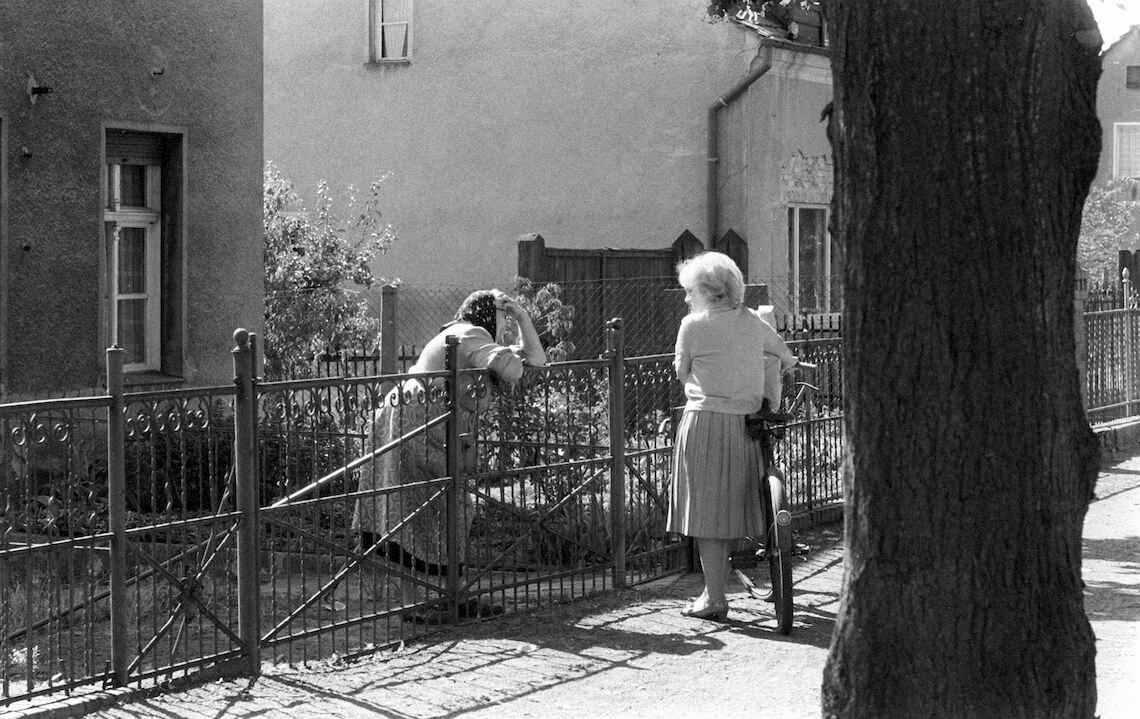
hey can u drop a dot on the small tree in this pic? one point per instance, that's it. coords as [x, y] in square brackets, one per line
[316, 263]
[1106, 223]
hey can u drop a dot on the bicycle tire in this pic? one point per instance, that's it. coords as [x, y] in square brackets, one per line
[780, 555]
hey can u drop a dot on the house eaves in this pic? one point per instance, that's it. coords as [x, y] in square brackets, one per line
[1131, 31]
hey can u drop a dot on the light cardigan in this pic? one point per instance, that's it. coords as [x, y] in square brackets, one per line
[476, 349]
[720, 359]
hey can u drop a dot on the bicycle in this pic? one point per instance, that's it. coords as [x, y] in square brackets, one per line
[776, 546]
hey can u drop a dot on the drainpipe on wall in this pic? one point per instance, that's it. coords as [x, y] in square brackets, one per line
[713, 153]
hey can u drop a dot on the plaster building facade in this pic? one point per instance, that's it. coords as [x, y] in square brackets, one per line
[586, 123]
[775, 177]
[1118, 106]
[130, 190]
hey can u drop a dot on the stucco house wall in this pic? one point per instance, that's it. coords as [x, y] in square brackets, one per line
[1115, 101]
[189, 70]
[584, 122]
[775, 153]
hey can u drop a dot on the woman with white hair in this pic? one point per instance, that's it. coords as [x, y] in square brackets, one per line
[719, 357]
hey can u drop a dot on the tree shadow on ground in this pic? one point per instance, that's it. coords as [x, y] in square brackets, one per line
[520, 656]
[1112, 601]
[1125, 550]
[1112, 578]
[812, 625]
[1116, 482]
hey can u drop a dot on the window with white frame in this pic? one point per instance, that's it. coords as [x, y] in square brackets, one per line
[813, 262]
[1126, 150]
[389, 30]
[134, 241]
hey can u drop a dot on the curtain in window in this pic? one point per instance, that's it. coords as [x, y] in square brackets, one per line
[395, 22]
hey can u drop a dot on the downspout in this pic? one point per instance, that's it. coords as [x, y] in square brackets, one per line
[714, 131]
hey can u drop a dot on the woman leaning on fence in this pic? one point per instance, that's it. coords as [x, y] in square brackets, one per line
[720, 360]
[419, 545]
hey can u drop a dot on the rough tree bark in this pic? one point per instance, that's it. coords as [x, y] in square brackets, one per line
[965, 139]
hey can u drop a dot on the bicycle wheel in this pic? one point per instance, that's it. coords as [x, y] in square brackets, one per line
[780, 555]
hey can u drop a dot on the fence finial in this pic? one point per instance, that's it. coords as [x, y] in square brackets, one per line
[241, 338]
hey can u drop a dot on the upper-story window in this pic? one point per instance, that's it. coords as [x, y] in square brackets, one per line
[1132, 77]
[1126, 150]
[389, 30]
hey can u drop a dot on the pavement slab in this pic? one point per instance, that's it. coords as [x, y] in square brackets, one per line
[630, 654]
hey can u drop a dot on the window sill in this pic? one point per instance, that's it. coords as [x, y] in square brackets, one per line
[373, 64]
[151, 380]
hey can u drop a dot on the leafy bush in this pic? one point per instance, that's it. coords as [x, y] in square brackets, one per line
[1106, 222]
[315, 264]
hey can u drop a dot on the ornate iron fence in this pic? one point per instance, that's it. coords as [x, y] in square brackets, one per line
[1111, 344]
[150, 536]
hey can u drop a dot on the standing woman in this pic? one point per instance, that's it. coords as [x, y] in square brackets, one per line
[719, 358]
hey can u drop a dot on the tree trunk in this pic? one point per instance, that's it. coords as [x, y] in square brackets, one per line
[965, 137]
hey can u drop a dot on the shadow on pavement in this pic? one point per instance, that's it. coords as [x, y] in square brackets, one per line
[1112, 601]
[1115, 549]
[812, 627]
[515, 658]
[1112, 578]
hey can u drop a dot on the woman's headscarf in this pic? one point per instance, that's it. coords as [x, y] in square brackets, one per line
[479, 310]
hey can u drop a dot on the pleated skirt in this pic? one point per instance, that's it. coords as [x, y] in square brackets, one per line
[716, 478]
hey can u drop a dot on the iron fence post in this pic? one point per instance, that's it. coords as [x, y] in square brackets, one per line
[615, 350]
[255, 463]
[453, 472]
[809, 452]
[116, 515]
[245, 489]
[388, 299]
[1126, 338]
[1130, 317]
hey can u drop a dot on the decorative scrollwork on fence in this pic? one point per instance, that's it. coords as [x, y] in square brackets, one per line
[477, 389]
[436, 393]
[18, 435]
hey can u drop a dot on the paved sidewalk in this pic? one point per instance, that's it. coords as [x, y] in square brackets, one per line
[630, 654]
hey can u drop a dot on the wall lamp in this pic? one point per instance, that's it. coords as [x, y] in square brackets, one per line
[35, 89]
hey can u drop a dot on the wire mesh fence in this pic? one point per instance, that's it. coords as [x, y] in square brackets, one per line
[569, 315]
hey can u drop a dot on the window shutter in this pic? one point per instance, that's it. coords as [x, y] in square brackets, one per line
[134, 145]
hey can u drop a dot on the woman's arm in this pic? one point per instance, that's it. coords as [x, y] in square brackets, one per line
[682, 357]
[529, 346]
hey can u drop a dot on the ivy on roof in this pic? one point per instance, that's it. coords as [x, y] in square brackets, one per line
[798, 20]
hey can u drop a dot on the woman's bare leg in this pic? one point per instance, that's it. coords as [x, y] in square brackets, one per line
[714, 564]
